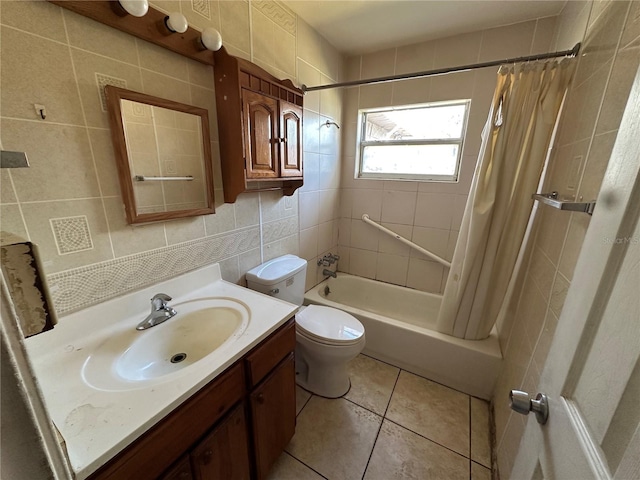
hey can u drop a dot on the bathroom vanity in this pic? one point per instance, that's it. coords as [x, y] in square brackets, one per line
[241, 420]
[125, 411]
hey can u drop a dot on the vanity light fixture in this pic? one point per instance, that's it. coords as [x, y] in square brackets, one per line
[176, 22]
[211, 39]
[137, 8]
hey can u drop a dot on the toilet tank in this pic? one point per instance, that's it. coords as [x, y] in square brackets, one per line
[283, 277]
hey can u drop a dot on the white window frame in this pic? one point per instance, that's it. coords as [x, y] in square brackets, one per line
[361, 144]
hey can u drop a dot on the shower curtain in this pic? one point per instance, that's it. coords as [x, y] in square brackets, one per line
[515, 142]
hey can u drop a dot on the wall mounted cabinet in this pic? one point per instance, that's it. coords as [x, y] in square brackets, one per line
[260, 127]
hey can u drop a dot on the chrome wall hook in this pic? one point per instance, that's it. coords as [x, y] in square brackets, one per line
[328, 123]
[41, 111]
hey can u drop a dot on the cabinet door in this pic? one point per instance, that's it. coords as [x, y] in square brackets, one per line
[273, 409]
[260, 118]
[291, 145]
[224, 453]
[181, 470]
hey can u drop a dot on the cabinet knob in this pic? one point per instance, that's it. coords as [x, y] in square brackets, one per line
[206, 457]
[260, 398]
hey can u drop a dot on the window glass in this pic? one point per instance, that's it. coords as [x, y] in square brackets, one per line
[421, 142]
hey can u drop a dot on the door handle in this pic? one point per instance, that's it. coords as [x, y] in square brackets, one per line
[522, 402]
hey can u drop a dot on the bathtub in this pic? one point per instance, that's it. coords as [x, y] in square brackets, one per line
[400, 329]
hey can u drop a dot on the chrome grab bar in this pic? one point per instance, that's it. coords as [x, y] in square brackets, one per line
[433, 256]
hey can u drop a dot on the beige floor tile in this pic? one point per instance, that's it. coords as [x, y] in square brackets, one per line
[371, 383]
[402, 454]
[302, 397]
[288, 468]
[432, 410]
[478, 472]
[480, 437]
[335, 437]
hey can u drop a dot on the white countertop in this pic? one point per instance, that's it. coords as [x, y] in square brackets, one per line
[97, 424]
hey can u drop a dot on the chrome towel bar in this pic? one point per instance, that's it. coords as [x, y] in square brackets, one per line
[143, 178]
[552, 200]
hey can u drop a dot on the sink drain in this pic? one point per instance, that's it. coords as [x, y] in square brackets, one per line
[178, 357]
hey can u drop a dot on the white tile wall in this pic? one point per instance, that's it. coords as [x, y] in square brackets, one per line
[430, 213]
[76, 131]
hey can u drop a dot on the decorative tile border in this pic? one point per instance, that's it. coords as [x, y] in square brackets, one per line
[85, 286]
[102, 81]
[278, 229]
[278, 13]
[202, 7]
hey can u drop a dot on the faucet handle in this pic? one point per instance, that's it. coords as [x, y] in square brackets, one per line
[159, 301]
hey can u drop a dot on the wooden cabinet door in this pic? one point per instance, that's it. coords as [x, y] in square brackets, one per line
[260, 124]
[181, 470]
[291, 145]
[273, 410]
[224, 453]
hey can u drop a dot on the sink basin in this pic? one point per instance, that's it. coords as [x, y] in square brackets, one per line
[135, 358]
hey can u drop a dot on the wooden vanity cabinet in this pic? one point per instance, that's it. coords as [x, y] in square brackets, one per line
[272, 400]
[235, 427]
[181, 470]
[224, 453]
[259, 126]
[273, 403]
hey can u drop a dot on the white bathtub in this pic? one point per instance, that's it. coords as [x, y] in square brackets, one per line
[400, 330]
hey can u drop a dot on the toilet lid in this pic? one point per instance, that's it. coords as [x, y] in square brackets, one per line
[329, 325]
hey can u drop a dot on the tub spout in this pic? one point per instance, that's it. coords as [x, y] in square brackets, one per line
[329, 273]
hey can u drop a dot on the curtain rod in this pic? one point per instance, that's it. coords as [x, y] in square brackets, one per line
[441, 71]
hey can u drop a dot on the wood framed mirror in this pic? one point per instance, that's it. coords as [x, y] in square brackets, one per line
[163, 154]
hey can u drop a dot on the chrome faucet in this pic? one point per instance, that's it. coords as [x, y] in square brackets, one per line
[160, 312]
[329, 273]
[328, 259]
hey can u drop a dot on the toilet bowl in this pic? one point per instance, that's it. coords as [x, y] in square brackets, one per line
[326, 338]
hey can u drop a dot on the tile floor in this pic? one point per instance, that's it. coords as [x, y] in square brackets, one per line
[392, 424]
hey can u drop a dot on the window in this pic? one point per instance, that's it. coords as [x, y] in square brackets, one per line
[417, 142]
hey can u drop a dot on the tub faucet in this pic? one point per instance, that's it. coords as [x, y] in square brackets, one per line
[328, 259]
[160, 312]
[329, 273]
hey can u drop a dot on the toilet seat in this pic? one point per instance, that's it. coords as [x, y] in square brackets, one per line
[329, 326]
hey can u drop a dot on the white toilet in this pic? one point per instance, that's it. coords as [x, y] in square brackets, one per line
[326, 338]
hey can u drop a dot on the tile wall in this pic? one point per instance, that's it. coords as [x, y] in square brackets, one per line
[69, 202]
[587, 131]
[429, 214]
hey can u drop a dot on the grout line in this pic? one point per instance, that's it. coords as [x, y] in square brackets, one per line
[427, 438]
[32, 120]
[470, 422]
[310, 468]
[88, 137]
[364, 472]
[305, 403]
[384, 415]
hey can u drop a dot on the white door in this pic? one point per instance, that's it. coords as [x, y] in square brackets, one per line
[592, 373]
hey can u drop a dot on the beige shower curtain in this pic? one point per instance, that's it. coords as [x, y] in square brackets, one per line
[514, 148]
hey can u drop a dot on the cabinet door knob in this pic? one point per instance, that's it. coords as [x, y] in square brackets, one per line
[206, 457]
[260, 398]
